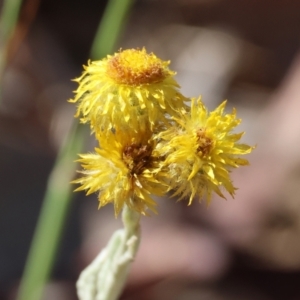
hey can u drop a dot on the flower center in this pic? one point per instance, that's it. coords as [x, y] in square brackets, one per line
[135, 67]
[137, 157]
[205, 144]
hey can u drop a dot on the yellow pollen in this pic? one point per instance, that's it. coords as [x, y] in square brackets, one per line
[136, 67]
[205, 144]
[137, 157]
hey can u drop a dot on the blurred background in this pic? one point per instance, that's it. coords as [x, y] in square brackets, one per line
[243, 51]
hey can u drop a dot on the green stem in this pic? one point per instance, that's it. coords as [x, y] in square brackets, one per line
[105, 277]
[9, 17]
[108, 30]
[59, 190]
[8, 20]
[51, 220]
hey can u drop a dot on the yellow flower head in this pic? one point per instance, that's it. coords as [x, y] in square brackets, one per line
[132, 87]
[123, 171]
[201, 151]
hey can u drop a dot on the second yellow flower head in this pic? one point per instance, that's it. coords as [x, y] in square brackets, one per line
[132, 89]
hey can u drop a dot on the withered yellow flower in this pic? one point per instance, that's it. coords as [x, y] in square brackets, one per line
[123, 171]
[131, 87]
[201, 151]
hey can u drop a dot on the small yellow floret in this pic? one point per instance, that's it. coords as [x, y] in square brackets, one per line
[136, 67]
[123, 171]
[201, 151]
[131, 88]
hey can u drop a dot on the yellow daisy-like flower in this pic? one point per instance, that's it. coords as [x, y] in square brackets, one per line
[131, 87]
[123, 171]
[201, 151]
